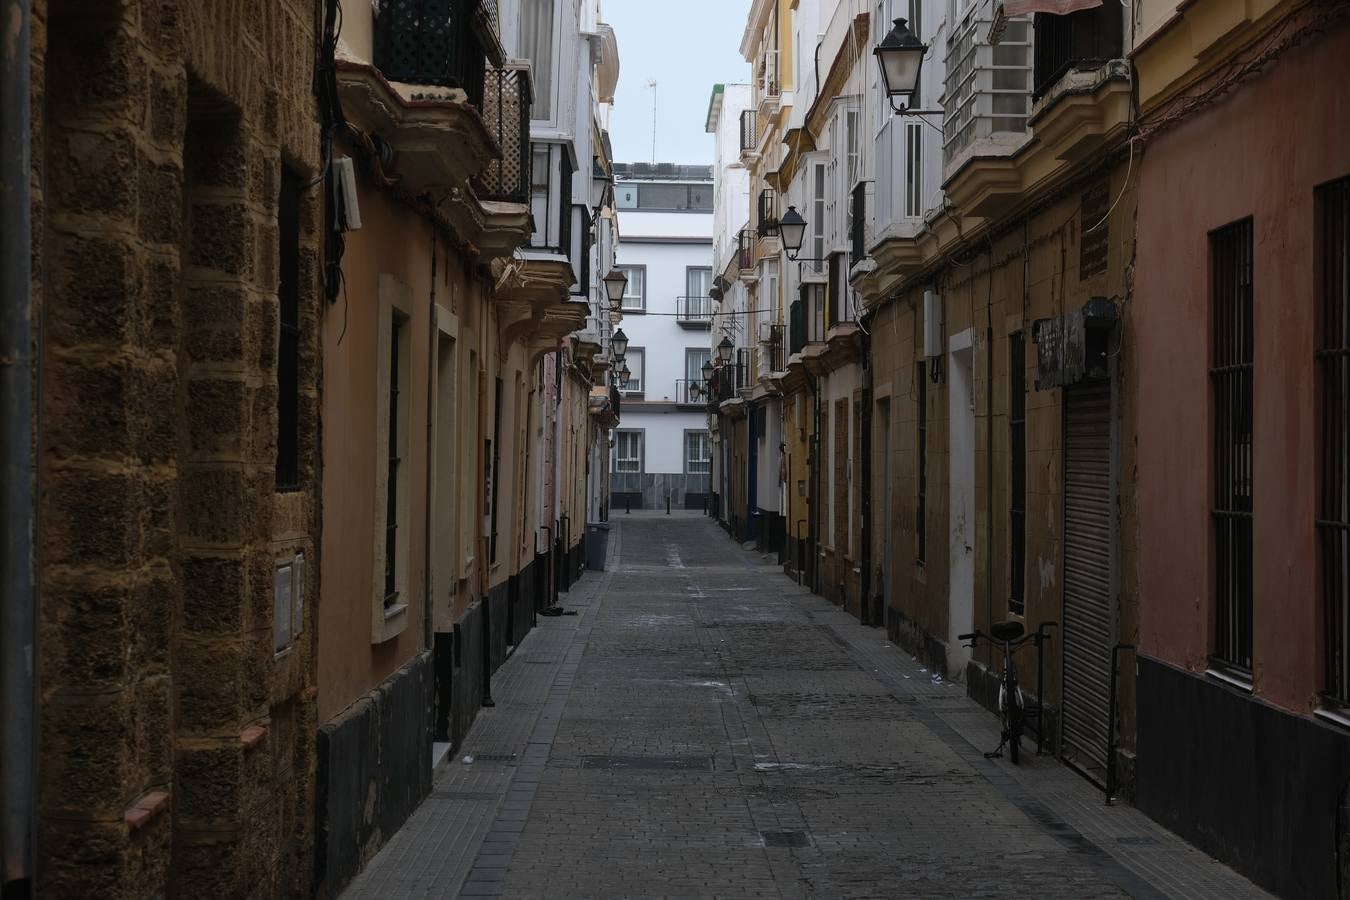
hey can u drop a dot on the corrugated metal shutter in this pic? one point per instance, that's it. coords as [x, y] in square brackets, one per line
[1089, 623]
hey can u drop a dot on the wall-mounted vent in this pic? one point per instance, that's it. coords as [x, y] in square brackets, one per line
[932, 324]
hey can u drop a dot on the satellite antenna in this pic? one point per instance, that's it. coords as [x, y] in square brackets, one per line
[651, 83]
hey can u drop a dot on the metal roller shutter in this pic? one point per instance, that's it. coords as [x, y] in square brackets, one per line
[1089, 622]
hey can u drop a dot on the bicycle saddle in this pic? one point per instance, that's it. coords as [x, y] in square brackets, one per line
[1006, 631]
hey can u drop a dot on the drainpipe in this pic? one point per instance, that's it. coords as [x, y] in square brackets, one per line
[813, 535]
[865, 463]
[18, 525]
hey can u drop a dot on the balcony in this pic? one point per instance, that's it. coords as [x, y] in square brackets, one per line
[745, 251]
[766, 213]
[807, 318]
[431, 42]
[1086, 39]
[770, 357]
[506, 112]
[691, 392]
[768, 85]
[987, 92]
[694, 312]
[749, 131]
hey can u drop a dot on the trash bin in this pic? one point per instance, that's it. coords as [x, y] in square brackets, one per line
[597, 544]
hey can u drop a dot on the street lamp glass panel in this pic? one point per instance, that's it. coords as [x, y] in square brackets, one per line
[792, 228]
[707, 370]
[724, 350]
[599, 182]
[900, 56]
[616, 282]
[619, 342]
[624, 375]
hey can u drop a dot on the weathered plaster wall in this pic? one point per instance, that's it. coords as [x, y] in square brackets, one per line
[1213, 170]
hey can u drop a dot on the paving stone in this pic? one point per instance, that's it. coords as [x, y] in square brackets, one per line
[707, 728]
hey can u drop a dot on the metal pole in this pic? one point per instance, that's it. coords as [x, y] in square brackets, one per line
[1111, 722]
[18, 521]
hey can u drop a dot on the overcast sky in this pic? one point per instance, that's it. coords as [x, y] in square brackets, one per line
[686, 47]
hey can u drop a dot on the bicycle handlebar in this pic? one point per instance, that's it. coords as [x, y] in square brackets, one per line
[966, 637]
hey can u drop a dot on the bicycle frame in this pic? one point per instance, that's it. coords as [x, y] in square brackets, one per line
[1009, 690]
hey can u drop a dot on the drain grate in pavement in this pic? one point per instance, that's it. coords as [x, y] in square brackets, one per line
[1140, 841]
[463, 795]
[494, 757]
[785, 839]
[653, 763]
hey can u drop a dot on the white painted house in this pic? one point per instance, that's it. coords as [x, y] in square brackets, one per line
[661, 448]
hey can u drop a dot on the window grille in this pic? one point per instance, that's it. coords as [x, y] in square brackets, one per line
[628, 452]
[1333, 364]
[1231, 377]
[1017, 440]
[921, 437]
[393, 462]
[697, 453]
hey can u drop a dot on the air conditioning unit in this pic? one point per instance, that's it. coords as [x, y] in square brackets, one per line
[932, 324]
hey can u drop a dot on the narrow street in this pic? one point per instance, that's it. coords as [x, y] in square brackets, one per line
[703, 727]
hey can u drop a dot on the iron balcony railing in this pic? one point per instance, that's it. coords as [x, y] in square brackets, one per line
[691, 391]
[766, 213]
[506, 112]
[858, 224]
[431, 42]
[770, 357]
[745, 250]
[694, 311]
[749, 132]
[1083, 39]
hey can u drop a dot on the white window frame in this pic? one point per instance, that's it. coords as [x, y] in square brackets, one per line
[634, 302]
[395, 298]
[638, 434]
[705, 461]
[636, 360]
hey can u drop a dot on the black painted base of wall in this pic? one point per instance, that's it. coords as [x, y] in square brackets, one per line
[926, 648]
[374, 768]
[1258, 788]
[772, 533]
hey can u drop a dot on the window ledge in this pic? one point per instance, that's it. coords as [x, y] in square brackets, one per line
[395, 623]
[1335, 716]
[1233, 678]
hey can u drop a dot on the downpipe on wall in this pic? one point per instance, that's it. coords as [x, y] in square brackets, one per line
[865, 606]
[18, 376]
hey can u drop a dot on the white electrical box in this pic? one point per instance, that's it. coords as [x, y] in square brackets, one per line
[932, 324]
[343, 181]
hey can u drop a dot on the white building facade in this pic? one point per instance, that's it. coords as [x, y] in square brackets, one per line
[662, 451]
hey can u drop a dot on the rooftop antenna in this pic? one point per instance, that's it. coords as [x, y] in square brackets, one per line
[652, 84]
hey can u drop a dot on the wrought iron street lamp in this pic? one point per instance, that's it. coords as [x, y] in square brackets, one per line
[619, 344]
[792, 228]
[707, 370]
[724, 350]
[616, 282]
[624, 375]
[695, 392]
[900, 57]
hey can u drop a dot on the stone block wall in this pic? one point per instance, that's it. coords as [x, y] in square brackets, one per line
[177, 748]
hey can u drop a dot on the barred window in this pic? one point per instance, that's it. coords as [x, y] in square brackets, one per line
[1332, 246]
[697, 453]
[628, 452]
[1231, 378]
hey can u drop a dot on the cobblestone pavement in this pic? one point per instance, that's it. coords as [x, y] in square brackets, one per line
[706, 728]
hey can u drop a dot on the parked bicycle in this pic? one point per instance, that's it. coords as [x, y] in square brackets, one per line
[1012, 709]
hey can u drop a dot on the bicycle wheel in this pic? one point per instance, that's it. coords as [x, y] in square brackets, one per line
[1014, 731]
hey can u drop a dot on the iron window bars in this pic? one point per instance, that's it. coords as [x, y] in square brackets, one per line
[745, 250]
[766, 213]
[1333, 365]
[695, 311]
[1231, 377]
[749, 131]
